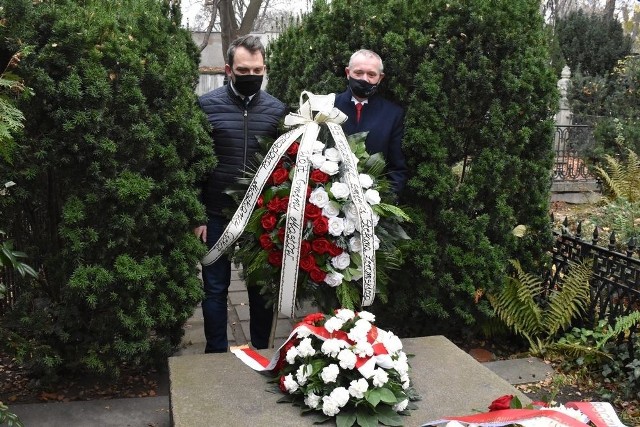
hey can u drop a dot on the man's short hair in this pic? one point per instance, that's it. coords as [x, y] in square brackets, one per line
[368, 54]
[249, 42]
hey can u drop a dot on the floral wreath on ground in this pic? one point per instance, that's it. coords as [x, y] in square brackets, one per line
[343, 366]
[330, 264]
[508, 410]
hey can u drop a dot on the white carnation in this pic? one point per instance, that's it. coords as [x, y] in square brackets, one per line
[303, 332]
[319, 197]
[341, 261]
[363, 324]
[363, 348]
[392, 343]
[368, 316]
[347, 359]
[330, 168]
[401, 366]
[336, 226]
[332, 347]
[365, 180]
[333, 324]
[290, 384]
[312, 400]
[345, 314]
[340, 190]
[302, 374]
[305, 348]
[332, 154]
[372, 196]
[380, 377]
[334, 279]
[329, 406]
[331, 209]
[292, 353]
[330, 373]
[398, 407]
[357, 388]
[376, 218]
[340, 395]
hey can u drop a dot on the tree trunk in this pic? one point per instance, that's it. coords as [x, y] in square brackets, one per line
[228, 25]
[610, 8]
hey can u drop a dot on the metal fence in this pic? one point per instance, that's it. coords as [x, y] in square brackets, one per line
[615, 284]
[571, 147]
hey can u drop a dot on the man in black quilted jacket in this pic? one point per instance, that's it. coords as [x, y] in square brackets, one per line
[238, 112]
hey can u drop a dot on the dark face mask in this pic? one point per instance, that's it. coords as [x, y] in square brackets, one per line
[248, 84]
[362, 88]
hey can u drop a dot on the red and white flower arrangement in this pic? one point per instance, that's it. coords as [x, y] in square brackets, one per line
[345, 367]
[330, 266]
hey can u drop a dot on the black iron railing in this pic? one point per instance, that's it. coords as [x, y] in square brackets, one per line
[571, 147]
[615, 284]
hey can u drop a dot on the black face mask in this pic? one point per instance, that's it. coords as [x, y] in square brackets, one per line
[248, 84]
[362, 88]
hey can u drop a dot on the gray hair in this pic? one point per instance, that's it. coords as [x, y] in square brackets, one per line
[249, 42]
[368, 54]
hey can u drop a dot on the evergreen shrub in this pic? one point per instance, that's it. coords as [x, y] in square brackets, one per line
[105, 168]
[476, 83]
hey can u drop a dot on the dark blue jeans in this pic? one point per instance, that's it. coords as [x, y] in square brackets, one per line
[217, 278]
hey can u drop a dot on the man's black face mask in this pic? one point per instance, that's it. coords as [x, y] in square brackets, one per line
[248, 84]
[362, 88]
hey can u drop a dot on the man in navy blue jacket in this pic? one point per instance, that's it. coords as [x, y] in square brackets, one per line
[383, 119]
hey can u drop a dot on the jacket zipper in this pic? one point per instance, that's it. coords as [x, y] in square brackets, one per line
[246, 139]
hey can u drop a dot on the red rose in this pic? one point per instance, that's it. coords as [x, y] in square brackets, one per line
[335, 250]
[260, 201]
[309, 190]
[281, 234]
[503, 402]
[321, 245]
[274, 204]
[319, 177]
[293, 149]
[313, 318]
[305, 248]
[317, 275]
[307, 263]
[266, 242]
[284, 204]
[320, 226]
[268, 221]
[311, 211]
[275, 258]
[279, 176]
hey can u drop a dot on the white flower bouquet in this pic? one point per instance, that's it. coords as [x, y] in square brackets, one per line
[343, 366]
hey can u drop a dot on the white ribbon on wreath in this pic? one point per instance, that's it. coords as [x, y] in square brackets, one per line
[308, 125]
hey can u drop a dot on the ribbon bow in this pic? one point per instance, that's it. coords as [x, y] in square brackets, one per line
[322, 104]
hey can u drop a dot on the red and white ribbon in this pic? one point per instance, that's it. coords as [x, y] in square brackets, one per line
[600, 414]
[365, 365]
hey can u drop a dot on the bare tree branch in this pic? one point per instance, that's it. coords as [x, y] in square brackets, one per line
[214, 11]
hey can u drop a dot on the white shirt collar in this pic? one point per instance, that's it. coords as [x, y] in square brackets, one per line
[355, 101]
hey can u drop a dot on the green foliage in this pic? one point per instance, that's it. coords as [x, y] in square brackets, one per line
[611, 103]
[608, 356]
[523, 306]
[106, 166]
[475, 80]
[621, 179]
[592, 43]
[8, 417]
